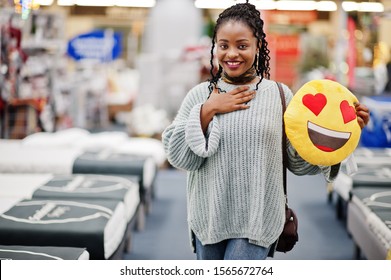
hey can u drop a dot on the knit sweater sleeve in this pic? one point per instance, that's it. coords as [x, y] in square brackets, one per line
[299, 166]
[202, 145]
[185, 144]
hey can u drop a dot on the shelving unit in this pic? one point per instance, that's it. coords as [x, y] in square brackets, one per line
[30, 52]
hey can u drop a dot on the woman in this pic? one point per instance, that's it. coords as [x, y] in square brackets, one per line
[227, 135]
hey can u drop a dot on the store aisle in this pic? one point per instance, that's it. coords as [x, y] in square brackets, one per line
[322, 236]
[165, 236]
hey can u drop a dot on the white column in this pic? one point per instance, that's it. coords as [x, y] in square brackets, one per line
[341, 44]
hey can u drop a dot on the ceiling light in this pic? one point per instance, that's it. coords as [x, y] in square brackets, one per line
[135, 3]
[101, 3]
[65, 2]
[349, 6]
[296, 5]
[223, 4]
[326, 6]
[270, 4]
[207, 4]
[43, 2]
[108, 3]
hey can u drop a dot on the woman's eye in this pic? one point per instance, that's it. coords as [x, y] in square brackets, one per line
[223, 47]
[242, 47]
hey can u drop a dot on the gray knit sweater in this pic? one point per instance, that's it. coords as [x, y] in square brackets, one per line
[234, 178]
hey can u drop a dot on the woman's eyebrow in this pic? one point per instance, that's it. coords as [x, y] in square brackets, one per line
[239, 40]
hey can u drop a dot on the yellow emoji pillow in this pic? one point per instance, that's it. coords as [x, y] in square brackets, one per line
[321, 122]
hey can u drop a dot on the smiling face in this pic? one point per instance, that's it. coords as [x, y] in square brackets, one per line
[321, 122]
[236, 47]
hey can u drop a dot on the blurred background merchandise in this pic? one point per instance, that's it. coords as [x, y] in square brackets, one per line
[58, 71]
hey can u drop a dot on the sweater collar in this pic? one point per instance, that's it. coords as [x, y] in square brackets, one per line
[226, 86]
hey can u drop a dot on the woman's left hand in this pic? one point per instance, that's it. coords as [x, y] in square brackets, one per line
[362, 113]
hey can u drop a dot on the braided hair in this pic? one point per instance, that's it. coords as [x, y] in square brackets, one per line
[249, 15]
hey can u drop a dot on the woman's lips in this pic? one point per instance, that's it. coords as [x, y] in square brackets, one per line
[233, 65]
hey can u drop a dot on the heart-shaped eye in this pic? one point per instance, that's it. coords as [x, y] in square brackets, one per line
[315, 102]
[348, 112]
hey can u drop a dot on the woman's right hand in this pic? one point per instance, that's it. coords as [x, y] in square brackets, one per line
[233, 100]
[217, 103]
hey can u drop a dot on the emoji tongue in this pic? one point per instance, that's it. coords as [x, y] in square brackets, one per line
[324, 148]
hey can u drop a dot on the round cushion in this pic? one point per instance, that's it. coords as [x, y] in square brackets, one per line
[321, 122]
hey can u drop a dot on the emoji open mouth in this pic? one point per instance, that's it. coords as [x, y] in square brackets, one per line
[325, 139]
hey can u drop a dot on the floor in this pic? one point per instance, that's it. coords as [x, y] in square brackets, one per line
[321, 235]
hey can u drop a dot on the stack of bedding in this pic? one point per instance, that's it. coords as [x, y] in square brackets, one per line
[366, 175]
[95, 212]
[18, 157]
[77, 190]
[369, 221]
[373, 166]
[116, 141]
[42, 253]
[364, 201]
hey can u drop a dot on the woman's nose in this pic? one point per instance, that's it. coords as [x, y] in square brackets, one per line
[231, 53]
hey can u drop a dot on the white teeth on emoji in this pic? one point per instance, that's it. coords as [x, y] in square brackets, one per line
[326, 140]
[328, 132]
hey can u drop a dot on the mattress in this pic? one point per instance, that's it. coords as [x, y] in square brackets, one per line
[75, 138]
[107, 162]
[97, 225]
[22, 185]
[15, 158]
[369, 220]
[143, 147]
[373, 166]
[86, 186]
[81, 186]
[366, 175]
[42, 253]
[372, 156]
[117, 141]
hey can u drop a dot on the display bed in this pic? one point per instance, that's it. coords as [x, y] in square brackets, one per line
[372, 156]
[369, 221]
[374, 165]
[18, 158]
[107, 162]
[42, 253]
[91, 186]
[78, 187]
[116, 141]
[97, 225]
[366, 175]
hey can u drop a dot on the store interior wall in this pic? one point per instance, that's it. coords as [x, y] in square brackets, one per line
[161, 62]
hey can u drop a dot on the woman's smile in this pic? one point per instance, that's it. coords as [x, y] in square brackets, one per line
[233, 65]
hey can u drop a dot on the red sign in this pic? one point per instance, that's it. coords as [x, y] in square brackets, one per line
[290, 17]
[284, 52]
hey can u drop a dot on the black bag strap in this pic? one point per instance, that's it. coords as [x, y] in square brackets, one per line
[284, 154]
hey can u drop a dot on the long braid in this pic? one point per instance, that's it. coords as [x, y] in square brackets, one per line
[248, 14]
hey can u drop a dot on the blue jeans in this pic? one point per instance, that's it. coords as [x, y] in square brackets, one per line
[231, 249]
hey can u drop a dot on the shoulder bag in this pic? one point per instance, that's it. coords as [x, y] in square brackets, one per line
[289, 236]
